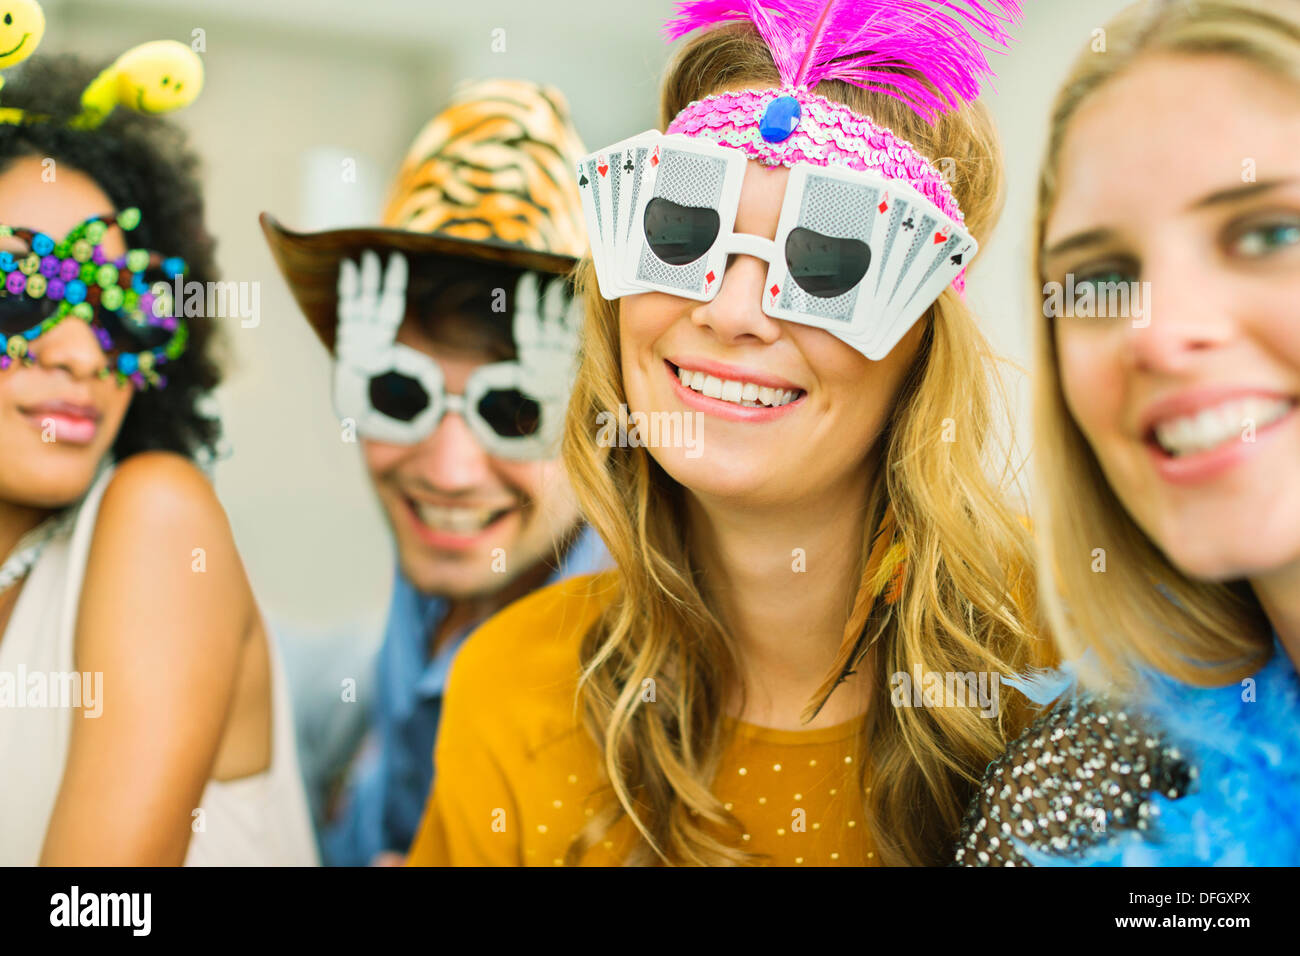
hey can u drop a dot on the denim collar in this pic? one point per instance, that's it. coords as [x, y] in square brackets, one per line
[413, 616]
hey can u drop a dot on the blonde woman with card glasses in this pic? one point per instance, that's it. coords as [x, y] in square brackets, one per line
[747, 687]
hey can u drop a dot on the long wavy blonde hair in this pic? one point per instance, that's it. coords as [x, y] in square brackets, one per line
[1199, 632]
[964, 598]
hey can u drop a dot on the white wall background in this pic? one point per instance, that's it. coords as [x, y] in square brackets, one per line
[293, 86]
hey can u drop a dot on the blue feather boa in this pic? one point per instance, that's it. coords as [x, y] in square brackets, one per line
[1245, 810]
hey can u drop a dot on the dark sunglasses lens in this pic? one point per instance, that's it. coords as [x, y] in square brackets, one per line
[18, 313]
[398, 396]
[511, 413]
[825, 266]
[128, 335]
[678, 235]
[141, 332]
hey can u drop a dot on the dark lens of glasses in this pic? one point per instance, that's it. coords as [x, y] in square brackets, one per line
[129, 335]
[678, 235]
[143, 330]
[398, 396]
[511, 413]
[825, 266]
[18, 313]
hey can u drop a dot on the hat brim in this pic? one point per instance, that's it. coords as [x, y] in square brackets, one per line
[309, 261]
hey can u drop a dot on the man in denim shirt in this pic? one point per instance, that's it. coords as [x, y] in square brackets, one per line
[455, 338]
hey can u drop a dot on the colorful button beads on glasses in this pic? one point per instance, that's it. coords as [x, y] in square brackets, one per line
[78, 275]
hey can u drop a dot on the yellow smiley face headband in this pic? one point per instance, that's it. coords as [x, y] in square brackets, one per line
[21, 27]
[156, 77]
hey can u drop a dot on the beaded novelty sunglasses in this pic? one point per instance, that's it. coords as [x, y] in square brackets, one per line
[127, 300]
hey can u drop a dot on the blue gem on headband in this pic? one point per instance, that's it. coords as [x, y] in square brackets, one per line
[780, 119]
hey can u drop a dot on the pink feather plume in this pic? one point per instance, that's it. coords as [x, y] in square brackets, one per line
[864, 42]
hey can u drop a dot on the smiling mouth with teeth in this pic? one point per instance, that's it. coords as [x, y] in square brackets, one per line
[462, 521]
[746, 394]
[1212, 427]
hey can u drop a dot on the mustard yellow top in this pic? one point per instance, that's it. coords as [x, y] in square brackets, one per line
[517, 774]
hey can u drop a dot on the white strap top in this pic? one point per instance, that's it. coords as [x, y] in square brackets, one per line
[260, 820]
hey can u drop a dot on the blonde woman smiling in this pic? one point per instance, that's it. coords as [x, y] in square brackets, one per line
[1170, 447]
[731, 707]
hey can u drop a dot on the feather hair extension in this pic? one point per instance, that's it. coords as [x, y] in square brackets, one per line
[931, 54]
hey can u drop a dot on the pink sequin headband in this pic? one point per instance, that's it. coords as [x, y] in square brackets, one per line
[929, 54]
[781, 127]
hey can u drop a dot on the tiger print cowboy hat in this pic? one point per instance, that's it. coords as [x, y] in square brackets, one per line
[489, 179]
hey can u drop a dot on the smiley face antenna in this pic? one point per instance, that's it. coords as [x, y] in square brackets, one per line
[156, 77]
[22, 26]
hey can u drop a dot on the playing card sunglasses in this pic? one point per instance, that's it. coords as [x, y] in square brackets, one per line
[395, 393]
[127, 300]
[858, 255]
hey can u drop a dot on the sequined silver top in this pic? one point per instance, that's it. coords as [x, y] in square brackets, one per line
[1081, 773]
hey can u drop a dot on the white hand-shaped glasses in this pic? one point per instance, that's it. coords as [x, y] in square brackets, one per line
[397, 394]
